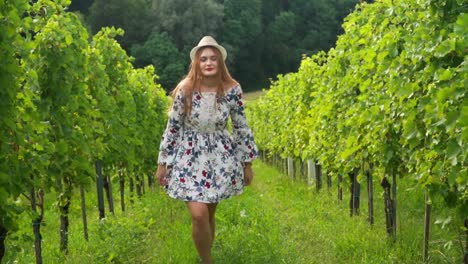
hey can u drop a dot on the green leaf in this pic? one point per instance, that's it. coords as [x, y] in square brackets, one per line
[445, 94]
[68, 39]
[61, 146]
[443, 74]
[453, 149]
[38, 147]
[4, 177]
[410, 129]
[452, 118]
[461, 25]
[405, 90]
[464, 116]
[444, 48]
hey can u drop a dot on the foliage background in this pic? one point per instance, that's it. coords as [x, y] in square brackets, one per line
[263, 37]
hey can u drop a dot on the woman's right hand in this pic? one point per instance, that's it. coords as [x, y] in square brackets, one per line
[161, 174]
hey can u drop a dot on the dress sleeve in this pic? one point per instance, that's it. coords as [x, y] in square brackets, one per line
[172, 135]
[245, 147]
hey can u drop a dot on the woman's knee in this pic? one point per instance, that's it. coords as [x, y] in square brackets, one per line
[200, 217]
[199, 213]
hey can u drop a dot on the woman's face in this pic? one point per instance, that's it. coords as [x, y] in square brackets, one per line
[209, 65]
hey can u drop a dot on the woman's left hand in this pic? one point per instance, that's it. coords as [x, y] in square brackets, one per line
[248, 175]
[161, 174]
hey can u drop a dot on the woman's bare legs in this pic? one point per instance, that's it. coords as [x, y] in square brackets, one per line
[203, 228]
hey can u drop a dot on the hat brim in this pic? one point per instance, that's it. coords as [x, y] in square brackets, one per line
[219, 47]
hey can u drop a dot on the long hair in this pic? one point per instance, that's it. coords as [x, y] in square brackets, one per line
[194, 78]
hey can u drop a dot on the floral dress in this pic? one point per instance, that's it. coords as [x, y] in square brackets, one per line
[204, 158]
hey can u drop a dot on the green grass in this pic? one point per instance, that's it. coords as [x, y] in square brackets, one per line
[276, 220]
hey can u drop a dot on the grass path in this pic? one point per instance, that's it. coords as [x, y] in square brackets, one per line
[276, 220]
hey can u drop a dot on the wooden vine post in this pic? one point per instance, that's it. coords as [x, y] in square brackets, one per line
[354, 202]
[466, 242]
[370, 197]
[3, 233]
[100, 189]
[108, 189]
[318, 179]
[310, 171]
[291, 167]
[122, 190]
[340, 187]
[37, 220]
[83, 212]
[427, 224]
[388, 207]
[329, 181]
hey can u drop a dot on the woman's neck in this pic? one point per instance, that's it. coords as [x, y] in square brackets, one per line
[209, 84]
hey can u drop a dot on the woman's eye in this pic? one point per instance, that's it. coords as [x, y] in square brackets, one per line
[203, 59]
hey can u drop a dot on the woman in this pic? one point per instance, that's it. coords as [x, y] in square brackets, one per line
[200, 162]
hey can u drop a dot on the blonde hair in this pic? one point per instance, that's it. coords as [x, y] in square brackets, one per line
[194, 78]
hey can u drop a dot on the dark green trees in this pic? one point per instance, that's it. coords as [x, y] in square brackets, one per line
[263, 38]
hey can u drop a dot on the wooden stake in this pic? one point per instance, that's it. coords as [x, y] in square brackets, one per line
[354, 202]
[370, 197]
[108, 189]
[64, 207]
[36, 223]
[340, 187]
[122, 191]
[329, 182]
[427, 225]
[310, 171]
[388, 205]
[394, 202]
[3, 234]
[318, 180]
[99, 188]
[466, 242]
[83, 213]
[290, 167]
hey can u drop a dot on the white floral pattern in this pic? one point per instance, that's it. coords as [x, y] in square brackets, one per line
[205, 160]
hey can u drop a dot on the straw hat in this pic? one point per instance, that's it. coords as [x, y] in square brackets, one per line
[208, 41]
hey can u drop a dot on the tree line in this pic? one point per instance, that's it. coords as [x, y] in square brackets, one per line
[263, 37]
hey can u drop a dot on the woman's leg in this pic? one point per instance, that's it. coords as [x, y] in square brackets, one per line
[201, 229]
[212, 211]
